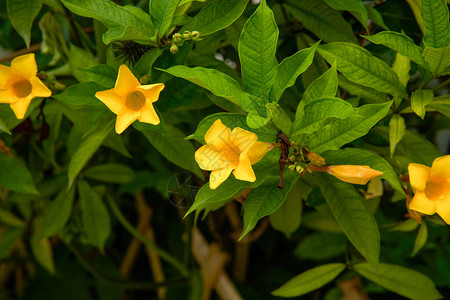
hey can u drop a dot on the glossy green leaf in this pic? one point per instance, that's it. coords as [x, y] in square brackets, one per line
[368, 94]
[111, 172]
[355, 7]
[421, 238]
[360, 66]
[403, 281]
[318, 112]
[22, 14]
[78, 60]
[58, 213]
[89, 145]
[419, 100]
[42, 249]
[8, 240]
[289, 69]
[321, 246]
[324, 86]
[80, 94]
[354, 156]
[405, 226]
[15, 176]
[310, 280]
[352, 214]
[123, 22]
[215, 16]
[279, 117]
[440, 104]
[322, 20]
[95, 216]
[103, 75]
[265, 200]
[437, 60]
[399, 42]
[401, 66]
[173, 147]
[375, 16]
[396, 131]
[4, 127]
[340, 132]
[161, 13]
[435, 20]
[265, 134]
[321, 222]
[8, 218]
[145, 63]
[257, 47]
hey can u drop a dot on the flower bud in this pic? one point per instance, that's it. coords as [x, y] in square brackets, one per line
[174, 49]
[315, 159]
[299, 169]
[176, 37]
[187, 35]
[353, 174]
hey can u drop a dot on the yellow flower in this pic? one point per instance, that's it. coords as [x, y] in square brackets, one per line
[227, 150]
[431, 187]
[130, 100]
[353, 173]
[19, 84]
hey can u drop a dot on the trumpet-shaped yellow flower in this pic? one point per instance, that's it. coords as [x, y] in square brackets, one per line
[431, 187]
[229, 151]
[353, 173]
[19, 84]
[130, 100]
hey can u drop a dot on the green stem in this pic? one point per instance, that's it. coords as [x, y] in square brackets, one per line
[441, 85]
[163, 254]
[129, 285]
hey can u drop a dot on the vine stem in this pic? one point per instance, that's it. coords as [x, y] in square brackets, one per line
[163, 254]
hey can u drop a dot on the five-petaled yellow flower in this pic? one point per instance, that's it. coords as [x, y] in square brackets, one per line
[19, 84]
[130, 100]
[431, 187]
[227, 150]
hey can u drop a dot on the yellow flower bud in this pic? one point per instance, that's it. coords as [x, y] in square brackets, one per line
[315, 159]
[353, 173]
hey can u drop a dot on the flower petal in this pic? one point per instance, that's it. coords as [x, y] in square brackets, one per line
[25, 65]
[39, 89]
[5, 74]
[208, 158]
[418, 176]
[151, 91]
[218, 135]
[244, 170]
[20, 106]
[257, 151]
[443, 209]
[125, 119]
[440, 170]
[243, 139]
[218, 176]
[148, 114]
[422, 204]
[113, 101]
[6, 96]
[126, 82]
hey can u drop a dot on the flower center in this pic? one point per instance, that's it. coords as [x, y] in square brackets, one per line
[232, 153]
[135, 100]
[22, 88]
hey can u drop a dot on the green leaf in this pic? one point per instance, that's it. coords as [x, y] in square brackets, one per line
[401, 66]
[355, 156]
[79, 59]
[324, 86]
[438, 60]
[145, 63]
[58, 213]
[403, 281]
[255, 121]
[322, 20]
[161, 13]
[355, 7]
[321, 222]
[173, 147]
[375, 16]
[288, 217]
[257, 47]
[340, 132]
[22, 14]
[4, 127]
[80, 94]
[265, 134]
[435, 20]
[15, 176]
[89, 145]
[279, 117]
[420, 99]
[41, 248]
[123, 22]
[321, 246]
[289, 69]
[310, 280]
[399, 42]
[421, 238]
[8, 218]
[215, 16]
[265, 200]
[360, 66]
[111, 172]
[104, 75]
[396, 131]
[318, 112]
[8, 240]
[95, 216]
[352, 214]
[440, 104]
[366, 93]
